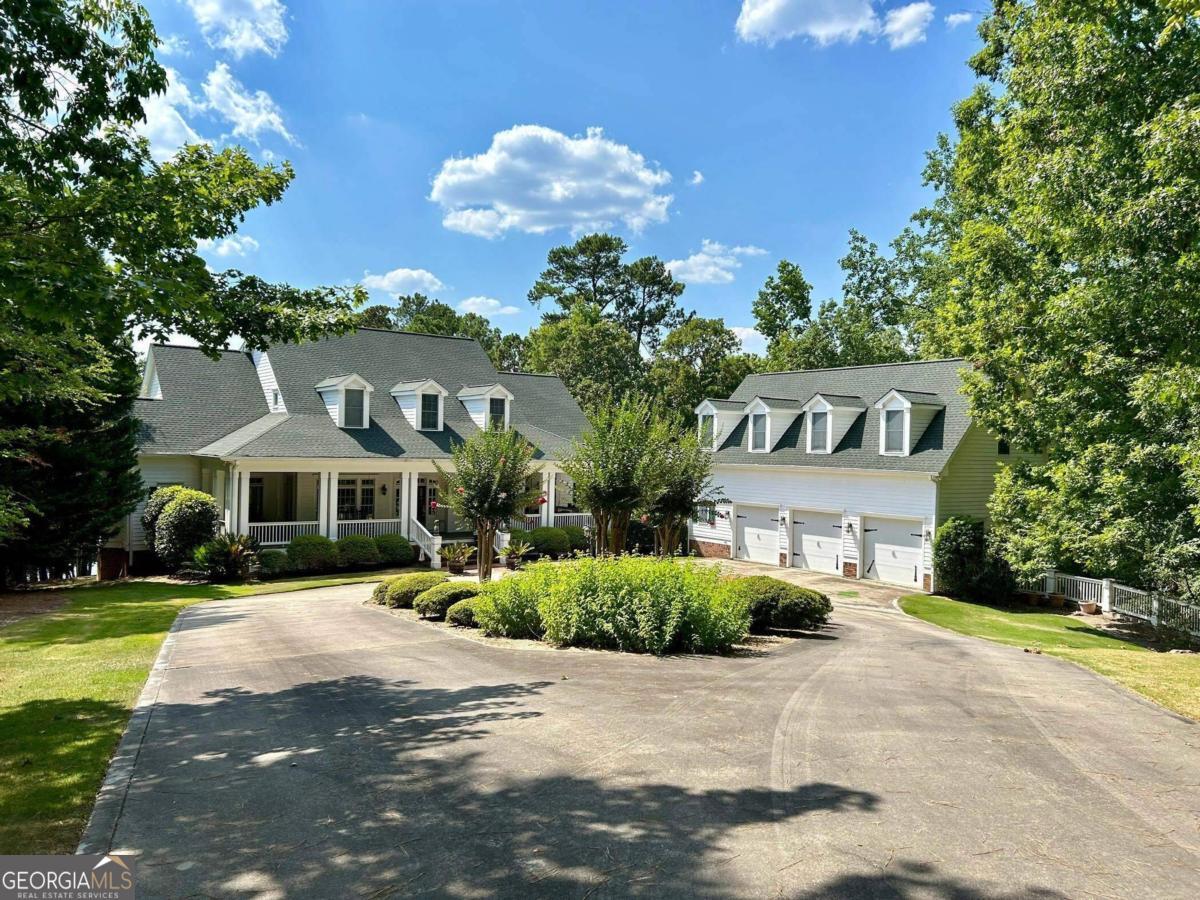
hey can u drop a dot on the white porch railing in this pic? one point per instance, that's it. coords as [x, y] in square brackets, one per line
[1122, 600]
[370, 527]
[580, 519]
[430, 544]
[1073, 587]
[277, 533]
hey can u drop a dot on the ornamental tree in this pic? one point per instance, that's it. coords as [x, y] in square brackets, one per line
[684, 481]
[488, 485]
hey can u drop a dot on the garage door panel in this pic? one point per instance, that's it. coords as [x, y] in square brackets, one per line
[893, 550]
[817, 541]
[758, 534]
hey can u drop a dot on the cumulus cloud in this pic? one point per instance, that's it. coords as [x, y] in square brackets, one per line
[242, 26]
[234, 245]
[173, 45]
[403, 281]
[250, 114]
[165, 126]
[906, 25]
[697, 177]
[535, 179]
[752, 341]
[831, 21]
[959, 18]
[713, 263]
[487, 306]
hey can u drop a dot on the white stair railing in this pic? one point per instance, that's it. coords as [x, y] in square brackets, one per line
[430, 544]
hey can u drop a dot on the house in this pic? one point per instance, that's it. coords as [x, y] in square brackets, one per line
[339, 436]
[845, 471]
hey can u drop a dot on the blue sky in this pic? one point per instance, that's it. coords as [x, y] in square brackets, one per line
[446, 146]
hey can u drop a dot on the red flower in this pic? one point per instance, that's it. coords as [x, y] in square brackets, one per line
[541, 501]
[461, 490]
[433, 504]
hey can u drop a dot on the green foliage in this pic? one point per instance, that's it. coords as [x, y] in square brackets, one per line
[380, 591]
[416, 312]
[436, 602]
[462, 613]
[509, 607]
[356, 551]
[190, 519]
[771, 603]
[518, 549]
[394, 549]
[964, 565]
[684, 481]
[404, 589]
[701, 358]
[312, 553]
[550, 541]
[576, 536]
[227, 557]
[272, 563]
[784, 303]
[593, 356]
[156, 503]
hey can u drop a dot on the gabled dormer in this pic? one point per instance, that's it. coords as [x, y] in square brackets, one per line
[488, 405]
[767, 419]
[830, 416]
[347, 399]
[423, 403]
[715, 419]
[151, 389]
[903, 417]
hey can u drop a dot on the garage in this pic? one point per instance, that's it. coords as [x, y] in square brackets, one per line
[817, 541]
[758, 534]
[892, 550]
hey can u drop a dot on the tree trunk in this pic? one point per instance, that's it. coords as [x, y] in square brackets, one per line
[486, 544]
[620, 530]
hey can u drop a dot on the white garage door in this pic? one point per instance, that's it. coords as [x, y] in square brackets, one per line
[817, 540]
[758, 534]
[892, 549]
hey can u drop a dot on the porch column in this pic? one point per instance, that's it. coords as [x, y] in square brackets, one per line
[550, 497]
[331, 514]
[411, 505]
[547, 511]
[323, 502]
[243, 517]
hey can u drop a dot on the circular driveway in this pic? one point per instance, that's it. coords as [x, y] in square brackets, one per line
[308, 745]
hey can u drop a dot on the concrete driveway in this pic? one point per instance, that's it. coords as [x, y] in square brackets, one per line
[307, 745]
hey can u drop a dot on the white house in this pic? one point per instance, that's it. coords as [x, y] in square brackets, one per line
[339, 436]
[845, 471]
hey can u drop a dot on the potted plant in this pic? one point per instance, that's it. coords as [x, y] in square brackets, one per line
[457, 556]
[515, 553]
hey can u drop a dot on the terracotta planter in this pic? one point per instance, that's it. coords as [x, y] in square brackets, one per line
[1057, 601]
[1088, 608]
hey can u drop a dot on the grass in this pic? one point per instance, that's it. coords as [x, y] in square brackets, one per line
[68, 680]
[1169, 679]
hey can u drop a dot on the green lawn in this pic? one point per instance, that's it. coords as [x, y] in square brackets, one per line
[1170, 679]
[68, 680]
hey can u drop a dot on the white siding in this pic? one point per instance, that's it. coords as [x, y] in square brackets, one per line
[919, 419]
[330, 399]
[477, 409]
[157, 471]
[266, 377]
[719, 532]
[408, 406]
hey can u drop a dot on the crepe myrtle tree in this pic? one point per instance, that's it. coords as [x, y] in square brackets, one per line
[488, 485]
[684, 481]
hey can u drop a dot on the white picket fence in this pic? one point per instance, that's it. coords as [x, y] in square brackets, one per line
[1122, 600]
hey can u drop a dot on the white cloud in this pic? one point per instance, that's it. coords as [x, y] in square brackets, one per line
[535, 179]
[242, 26]
[173, 45]
[250, 114]
[403, 281]
[906, 25]
[752, 341]
[487, 306]
[824, 21]
[959, 18]
[234, 245]
[165, 126]
[713, 263]
[697, 177]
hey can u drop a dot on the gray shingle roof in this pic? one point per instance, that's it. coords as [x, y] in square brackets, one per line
[859, 449]
[221, 410]
[845, 400]
[783, 404]
[726, 404]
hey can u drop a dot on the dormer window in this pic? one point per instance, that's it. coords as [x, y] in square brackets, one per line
[818, 431]
[903, 417]
[422, 403]
[497, 413]
[347, 399]
[431, 412]
[893, 431]
[758, 432]
[354, 408]
[707, 430]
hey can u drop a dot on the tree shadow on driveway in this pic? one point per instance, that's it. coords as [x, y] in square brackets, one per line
[361, 786]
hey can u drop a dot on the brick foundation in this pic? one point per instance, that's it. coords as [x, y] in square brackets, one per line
[782, 559]
[708, 548]
[849, 570]
[927, 584]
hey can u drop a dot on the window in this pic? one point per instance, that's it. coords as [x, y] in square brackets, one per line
[353, 417]
[429, 412]
[275, 399]
[346, 508]
[496, 413]
[705, 514]
[257, 497]
[1002, 447]
[707, 432]
[758, 431]
[893, 431]
[818, 439]
[366, 498]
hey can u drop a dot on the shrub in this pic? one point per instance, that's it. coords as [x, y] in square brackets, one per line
[394, 549]
[509, 607]
[157, 502]
[379, 594]
[965, 566]
[801, 608]
[312, 553]
[404, 589]
[462, 613]
[577, 536]
[549, 541]
[433, 603]
[190, 519]
[356, 551]
[772, 603]
[272, 562]
[227, 557]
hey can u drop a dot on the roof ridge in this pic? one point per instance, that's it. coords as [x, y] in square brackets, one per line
[531, 374]
[452, 337]
[907, 362]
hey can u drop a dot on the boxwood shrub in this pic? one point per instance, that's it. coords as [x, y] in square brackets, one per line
[312, 553]
[272, 562]
[188, 520]
[462, 613]
[159, 498]
[577, 536]
[394, 549]
[550, 541]
[772, 603]
[357, 551]
[433, 603]
[404, 589]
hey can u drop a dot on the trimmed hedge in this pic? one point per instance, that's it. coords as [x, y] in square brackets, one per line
[312, 553]
[190, 519]
[379, 595]
[404, 589]
[965, 567]
[772, 603]
[356, 551]
[157, 502]
[548, 541]
[435, 602]
[272, 562]
[577, 536]
[394, 549]
[462, 613]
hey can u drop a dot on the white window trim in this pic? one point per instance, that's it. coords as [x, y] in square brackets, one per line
[907, 414]
[828, 411]
[487, 410]
[421, 395]
[766, 448]
[342, 407]
[700, 417]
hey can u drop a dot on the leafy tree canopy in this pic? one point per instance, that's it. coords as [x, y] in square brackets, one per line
[701, 358]
[594, 356]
